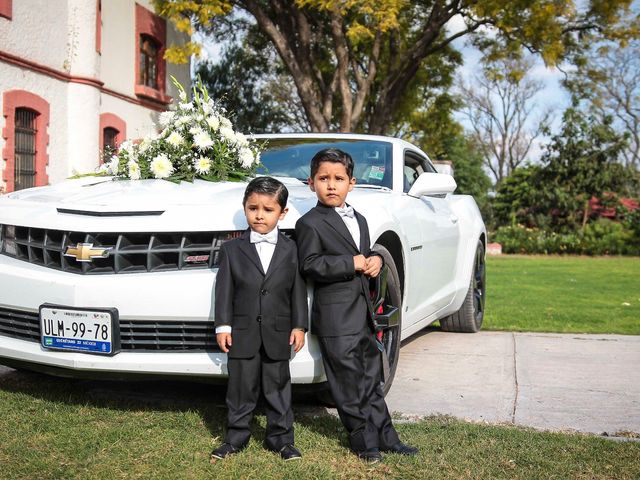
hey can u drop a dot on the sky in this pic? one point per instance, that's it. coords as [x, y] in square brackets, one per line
[553, 95]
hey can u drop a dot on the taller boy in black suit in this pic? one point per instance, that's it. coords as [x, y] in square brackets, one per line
[334, 251]
[260, 311]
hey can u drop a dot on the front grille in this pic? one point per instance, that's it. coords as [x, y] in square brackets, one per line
[141, 335]
[18, 324]
[135, 335]
[125, 252]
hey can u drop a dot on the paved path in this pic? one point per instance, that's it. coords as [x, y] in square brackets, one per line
[586, 383]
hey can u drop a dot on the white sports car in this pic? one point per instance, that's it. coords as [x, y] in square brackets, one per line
[115, 278]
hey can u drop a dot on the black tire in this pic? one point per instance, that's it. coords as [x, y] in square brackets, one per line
[469, 318]
[387, 293]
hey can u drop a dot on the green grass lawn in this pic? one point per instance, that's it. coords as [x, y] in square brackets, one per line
[58, 428]
[563, 294]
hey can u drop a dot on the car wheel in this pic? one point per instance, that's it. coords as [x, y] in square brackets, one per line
[386, 296]
[469, 318]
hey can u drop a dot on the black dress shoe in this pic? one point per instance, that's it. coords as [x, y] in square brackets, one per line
[401, 449]
[289, 452]
[224, 450]
[370, 456]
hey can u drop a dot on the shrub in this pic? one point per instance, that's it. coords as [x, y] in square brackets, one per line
[602, 237]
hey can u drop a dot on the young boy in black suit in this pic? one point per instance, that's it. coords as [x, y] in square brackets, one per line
[334, 251]
[260, 312]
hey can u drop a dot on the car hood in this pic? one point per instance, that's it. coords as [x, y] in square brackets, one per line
[106, 204]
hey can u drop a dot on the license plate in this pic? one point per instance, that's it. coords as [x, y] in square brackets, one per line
[76, 329]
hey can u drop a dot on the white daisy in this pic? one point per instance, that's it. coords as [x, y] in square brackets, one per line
[113, 165]
[145, 144]
[166, 118]
[202, 164]
[161, 166]
[225, 122]
[241, 139]
[246, 157]
[228, 134]
[126, 146]
[214, 122]
[134, 170]
[175, 139]
[202, 140]
[183, 120]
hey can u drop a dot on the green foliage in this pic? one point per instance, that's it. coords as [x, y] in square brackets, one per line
[601, 237]
[517, 199]
[580, 163]
[606, 79]
[352, 61]
[249, 82]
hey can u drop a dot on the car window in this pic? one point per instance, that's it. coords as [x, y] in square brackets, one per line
[290, 157]
[411, 171]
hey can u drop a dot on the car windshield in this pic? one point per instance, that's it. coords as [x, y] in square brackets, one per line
[290, 157]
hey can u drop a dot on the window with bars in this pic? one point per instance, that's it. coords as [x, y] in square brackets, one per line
[149, 49]
[25, 148]
[110, 139]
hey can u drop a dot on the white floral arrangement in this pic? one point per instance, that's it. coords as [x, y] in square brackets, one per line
[196, 140]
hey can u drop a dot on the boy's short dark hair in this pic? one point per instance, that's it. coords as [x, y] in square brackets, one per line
[334, 155]
[267, 186]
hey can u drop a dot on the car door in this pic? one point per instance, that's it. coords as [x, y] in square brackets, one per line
[432, 281]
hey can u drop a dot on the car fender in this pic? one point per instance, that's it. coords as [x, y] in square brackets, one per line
[472, 229]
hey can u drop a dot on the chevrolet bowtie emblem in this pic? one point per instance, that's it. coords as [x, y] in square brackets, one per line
[84, 252]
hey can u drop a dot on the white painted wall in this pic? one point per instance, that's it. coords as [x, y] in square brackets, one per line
[37, 31]
[54, 92]
[118, 45]
[60, 34]
[82, 58]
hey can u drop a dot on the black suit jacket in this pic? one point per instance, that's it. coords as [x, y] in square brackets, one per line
[261, 307]
[325, 251]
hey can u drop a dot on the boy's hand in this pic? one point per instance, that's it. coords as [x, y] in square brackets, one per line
[296, 339]
[373, 266]
[224, 341]
[360, 263]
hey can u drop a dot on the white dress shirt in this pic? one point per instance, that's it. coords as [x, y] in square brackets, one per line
[352, 225]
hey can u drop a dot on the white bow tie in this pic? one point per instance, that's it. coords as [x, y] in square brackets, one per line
[271, 237]
[346, 211]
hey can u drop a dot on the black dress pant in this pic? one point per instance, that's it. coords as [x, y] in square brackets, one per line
[247, 377]
[353, 367]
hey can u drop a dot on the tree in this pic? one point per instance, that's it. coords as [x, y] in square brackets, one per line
[499, 104]
[351, 61]
[581, 163]
[578, 164]
[469, 174]
[251, 85]
[609, 78]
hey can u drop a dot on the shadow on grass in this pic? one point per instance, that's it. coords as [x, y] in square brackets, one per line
[207, 399]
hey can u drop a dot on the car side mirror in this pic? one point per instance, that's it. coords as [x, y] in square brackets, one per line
[432, 184]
